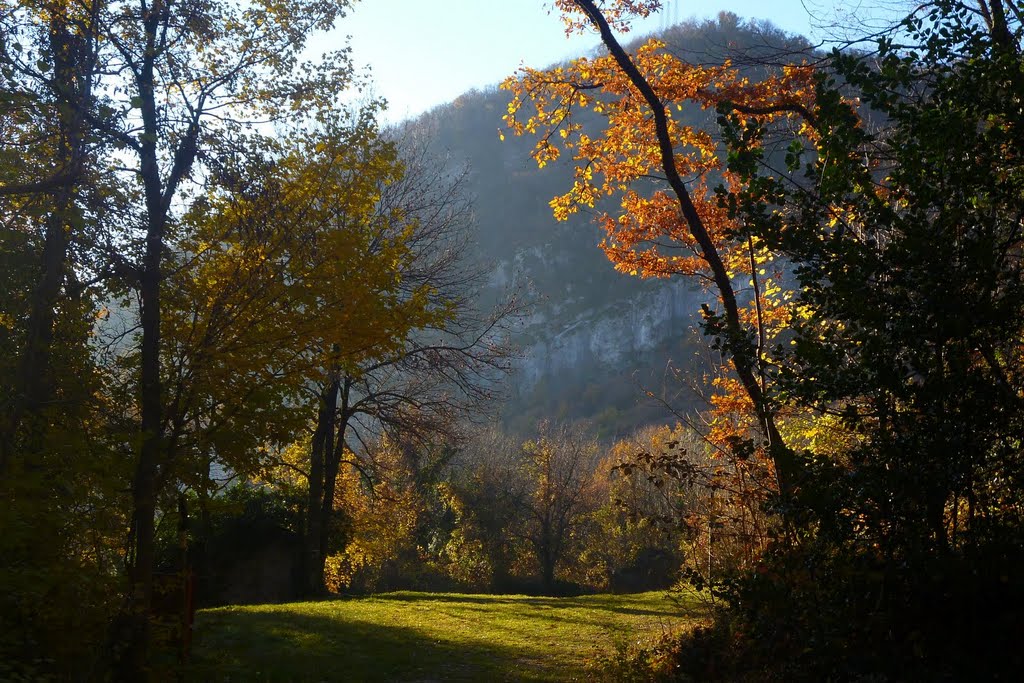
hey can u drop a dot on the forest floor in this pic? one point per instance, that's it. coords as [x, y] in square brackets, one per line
[428, 637]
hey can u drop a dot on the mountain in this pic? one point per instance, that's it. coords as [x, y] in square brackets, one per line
[596, 339]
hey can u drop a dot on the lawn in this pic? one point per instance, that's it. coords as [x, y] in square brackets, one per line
[427, 637]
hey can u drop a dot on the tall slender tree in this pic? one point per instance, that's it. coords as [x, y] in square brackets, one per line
[681, 230]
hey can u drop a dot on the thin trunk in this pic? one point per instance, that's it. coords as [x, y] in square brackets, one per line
[331, 470]
[152, 451]
[144, 483]
[146, 470]
[785, 463]
[547, 558]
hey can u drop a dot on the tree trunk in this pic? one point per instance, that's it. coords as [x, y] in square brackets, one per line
[74, 61]
[331, 470]
[321, 450]
[784, 461]
[548, 572]
[144, 488]
[34, 384]
[144, 482]
[547, 556]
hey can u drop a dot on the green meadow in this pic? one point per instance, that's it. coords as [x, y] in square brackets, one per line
[423, 637]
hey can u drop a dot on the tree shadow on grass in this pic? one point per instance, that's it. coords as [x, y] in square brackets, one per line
[280, 645]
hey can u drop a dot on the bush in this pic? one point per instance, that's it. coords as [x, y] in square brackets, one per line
[815, 613]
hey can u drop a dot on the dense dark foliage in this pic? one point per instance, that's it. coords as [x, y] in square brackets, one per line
[903, 556]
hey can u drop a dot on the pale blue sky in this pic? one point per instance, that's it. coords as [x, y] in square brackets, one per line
[427, 52]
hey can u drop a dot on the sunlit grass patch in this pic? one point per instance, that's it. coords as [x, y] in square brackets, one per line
[429, 637]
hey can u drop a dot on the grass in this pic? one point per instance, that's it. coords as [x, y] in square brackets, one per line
[426, 637]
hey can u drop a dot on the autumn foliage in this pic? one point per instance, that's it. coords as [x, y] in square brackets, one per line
[647, 235]
[871, 206]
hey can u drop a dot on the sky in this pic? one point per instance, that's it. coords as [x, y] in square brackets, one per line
[427, 52]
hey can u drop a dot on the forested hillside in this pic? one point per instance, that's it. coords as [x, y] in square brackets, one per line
[596, 339]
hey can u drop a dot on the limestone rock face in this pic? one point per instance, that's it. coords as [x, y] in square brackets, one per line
[588, 323]
[605, 333]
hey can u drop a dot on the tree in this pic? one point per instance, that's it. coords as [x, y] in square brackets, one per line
[197, 82]
[630, 541]
[661, 233]
[904, 228]
[493, 488]
[400, 522]
[48, 94]
[382, 508]
[676, 494]
[47, 89]
[157, 105]
[558, 465]
[59, 478]
[444, 367]
[290, 279]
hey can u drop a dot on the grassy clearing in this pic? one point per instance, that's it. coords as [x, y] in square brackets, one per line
[429, 637]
